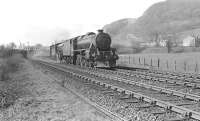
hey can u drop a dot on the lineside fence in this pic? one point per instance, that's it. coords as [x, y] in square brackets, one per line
[173, 65]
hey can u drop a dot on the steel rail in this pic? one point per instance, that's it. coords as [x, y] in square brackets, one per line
[114, 116]
[160, 89]
[161, 78]
[168, 91]
[156, 88]
[172, 107]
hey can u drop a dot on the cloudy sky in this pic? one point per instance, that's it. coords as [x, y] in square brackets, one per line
[44, 21]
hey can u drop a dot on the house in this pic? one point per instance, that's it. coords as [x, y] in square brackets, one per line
[188, 41]
[162, 43]
[147, 44]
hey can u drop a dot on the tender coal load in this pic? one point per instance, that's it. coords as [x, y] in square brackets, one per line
[103, 41]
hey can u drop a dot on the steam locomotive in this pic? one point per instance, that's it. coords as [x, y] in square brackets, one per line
[87, 50]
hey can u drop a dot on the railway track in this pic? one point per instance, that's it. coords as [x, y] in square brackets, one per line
[167, 99]
[111, 115]
[181, 79]
[119, 77]
[156, 83]
[191, 85]
[178, 83]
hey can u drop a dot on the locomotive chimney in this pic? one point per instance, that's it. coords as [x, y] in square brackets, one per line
[100, 30]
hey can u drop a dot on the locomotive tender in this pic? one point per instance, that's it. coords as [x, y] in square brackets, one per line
[87, 50]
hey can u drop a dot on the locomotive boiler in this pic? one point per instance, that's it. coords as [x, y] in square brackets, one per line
[89, 50]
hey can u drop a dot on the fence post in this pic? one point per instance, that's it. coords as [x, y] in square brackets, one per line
[129, 59]
[175, 65]
[139, 60]
[158, 63]
[133, 59]
[185, 64]
[151, 62]
[121, 60]
[144, 62]
[196, 67]
[167, 65]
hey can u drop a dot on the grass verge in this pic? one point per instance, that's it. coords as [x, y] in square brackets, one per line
[8, 66]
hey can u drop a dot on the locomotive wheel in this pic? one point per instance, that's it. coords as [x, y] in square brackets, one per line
[86, 63]
[70, 60]
[77, 61]
[67, 60]
[92, 64]
[112, 64]
[83, 62]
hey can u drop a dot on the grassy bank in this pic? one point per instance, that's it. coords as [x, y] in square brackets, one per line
[8, 66]
[178, 62]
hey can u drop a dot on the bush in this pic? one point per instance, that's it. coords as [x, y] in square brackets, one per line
[139, 49]
[8, 93]
[178, 50]
[7, 98]
[9, 65]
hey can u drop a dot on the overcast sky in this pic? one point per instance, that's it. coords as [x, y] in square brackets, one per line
[43, 21]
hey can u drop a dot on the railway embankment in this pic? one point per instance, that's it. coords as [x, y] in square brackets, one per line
[34, 96]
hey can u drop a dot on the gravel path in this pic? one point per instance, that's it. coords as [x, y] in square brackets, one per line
[42, 99]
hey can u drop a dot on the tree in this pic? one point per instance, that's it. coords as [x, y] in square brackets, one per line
[154, 37]
[196, 40]
[169, 42]
[38, 45]
[2, 47]
[157, 40]
[11, 45]
[169, 45]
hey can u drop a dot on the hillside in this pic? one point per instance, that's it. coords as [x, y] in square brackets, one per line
[119, 31]
[163, 18]
[169, 17]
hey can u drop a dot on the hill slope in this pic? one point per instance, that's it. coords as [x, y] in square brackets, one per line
[169, 17]
[119, 31]
[163, 18]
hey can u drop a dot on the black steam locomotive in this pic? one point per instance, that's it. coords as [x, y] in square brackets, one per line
[87, 50]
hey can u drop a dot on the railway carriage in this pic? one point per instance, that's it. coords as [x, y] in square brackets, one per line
[87, 50]
[54, 50]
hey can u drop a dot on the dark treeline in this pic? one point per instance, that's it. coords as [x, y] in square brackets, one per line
[12, 48]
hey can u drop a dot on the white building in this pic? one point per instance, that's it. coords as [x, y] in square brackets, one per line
[189, 41]
[163, 43]
[148, 44]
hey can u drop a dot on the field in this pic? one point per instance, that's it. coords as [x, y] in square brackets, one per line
[178, 62]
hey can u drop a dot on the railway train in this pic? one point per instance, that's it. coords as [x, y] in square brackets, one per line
[90, 50]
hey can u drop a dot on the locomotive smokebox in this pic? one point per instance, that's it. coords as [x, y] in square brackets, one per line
[103, 41]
